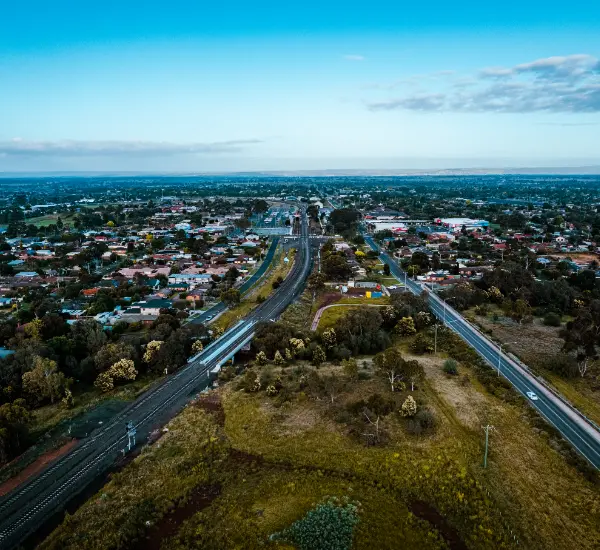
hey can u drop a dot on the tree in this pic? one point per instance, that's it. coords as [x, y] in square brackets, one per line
[89, 334]
[14, 418]
[151, 350]
[260, 206]
[389, 364]
[520, 310]
[109, 354]
[388, 313]
[174, 351]
[316, 281]
[413, 371]
[197, 347]
[68, 400]
[45, 381]
[360, 330]
[261, 358]
[409, 407]
[329, 338]
[34, 329]
[123, 370]
[243, 223]
[405, 327]
[336, 267]
[386, 269]
[350, 367]
[104, 382]
[582, 335]
[332, 386]
[278, 359]
[422, 344]
[297, 345]
[319, 356]
[230, 297]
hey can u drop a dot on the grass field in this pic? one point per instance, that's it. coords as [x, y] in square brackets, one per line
[332, 315]
[251, 466]
[49, 219]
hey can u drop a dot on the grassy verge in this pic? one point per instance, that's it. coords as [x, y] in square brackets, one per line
[263, 288]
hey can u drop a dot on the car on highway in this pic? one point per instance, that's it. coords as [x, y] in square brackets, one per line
[532, 395]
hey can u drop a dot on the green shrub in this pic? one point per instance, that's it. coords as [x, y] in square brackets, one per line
[552, 320]
[450, 366]
[422, 422]
[422, 344]
[329, 526]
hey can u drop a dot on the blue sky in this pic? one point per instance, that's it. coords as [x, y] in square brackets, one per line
[180, 86]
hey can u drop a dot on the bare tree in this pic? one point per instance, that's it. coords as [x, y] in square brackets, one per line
[374, 434]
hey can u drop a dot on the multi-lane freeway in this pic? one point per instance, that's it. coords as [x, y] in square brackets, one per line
[583, 435]
[27, 507]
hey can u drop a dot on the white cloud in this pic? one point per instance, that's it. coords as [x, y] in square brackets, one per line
[73, 148]
[560, 84]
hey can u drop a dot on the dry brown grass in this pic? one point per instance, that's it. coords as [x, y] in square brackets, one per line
[455, 391]
[548, 502]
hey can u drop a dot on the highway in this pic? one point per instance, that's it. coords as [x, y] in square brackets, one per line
[25, 509]
[583, 435]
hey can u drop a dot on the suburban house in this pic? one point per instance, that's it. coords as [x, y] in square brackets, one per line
[152, 306]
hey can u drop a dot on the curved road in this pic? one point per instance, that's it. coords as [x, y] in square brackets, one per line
[583, 435]
[317, 318]
[26, 508]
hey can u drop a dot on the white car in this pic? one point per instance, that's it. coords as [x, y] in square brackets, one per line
[532, 395]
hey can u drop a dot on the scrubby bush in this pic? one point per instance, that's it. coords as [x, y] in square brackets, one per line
[562, 364]
[405, 326]
[261, 358]
[450, 367]
[318, 356]
[409, 407]
[329, 525]
[422, 344]
[422, 422]
[552, 320]
[379, 404]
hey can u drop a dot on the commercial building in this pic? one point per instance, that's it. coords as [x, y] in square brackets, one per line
[458, 223]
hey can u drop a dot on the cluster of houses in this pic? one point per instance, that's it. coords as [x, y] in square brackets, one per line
[172, 272]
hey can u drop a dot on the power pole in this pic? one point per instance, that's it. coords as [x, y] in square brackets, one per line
[487, 437]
